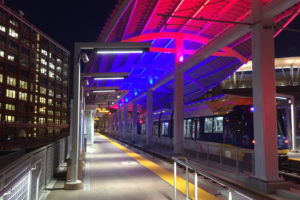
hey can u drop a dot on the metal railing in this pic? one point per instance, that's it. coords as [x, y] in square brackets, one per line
[28, 175]
[196, 173]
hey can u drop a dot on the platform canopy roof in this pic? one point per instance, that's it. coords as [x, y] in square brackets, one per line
[212, 38]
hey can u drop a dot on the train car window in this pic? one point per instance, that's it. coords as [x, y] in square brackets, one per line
[155, 128]
[165, 128]
[184, 128]
[187, 128]
[218, 125]
[208, 124]
[198, 129]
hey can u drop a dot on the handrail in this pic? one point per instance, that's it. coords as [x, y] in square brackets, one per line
[178, 159]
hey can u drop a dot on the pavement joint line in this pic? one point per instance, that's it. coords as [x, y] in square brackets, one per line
[166, 175]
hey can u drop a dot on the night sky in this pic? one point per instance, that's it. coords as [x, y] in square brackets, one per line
[81, 21]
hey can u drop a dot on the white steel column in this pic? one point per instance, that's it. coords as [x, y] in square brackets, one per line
[263, 81]
[125, 128]
[178, 100]
[149, 119]
[134, 120]
[120, 122]
[88, 124]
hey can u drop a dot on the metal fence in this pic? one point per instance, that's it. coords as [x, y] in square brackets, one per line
[27, 177]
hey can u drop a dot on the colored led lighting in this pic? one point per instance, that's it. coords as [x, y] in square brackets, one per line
[135, 93]
[118, 51]
[181, 59]
[108, 78]
[151, 81]
[252, 109]
[103, 91]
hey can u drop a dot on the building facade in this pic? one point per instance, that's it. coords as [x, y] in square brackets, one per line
[34, 80]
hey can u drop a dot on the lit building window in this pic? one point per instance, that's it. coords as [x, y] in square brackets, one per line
[23, 96]
[1, 78]
[44, 52]
[51, 93]
[42, 120]
[42, 100]
[50, 112]
[9, 118]
[58, 60]
[57, 121]
[44, 71]
[2, 28]
[58, 69]
[11, 81]
[13, 33]
[12, 57]
[13, 22]
[1, 53]
[51, 74]
[23, 84]
[58, 78]
[11, 93]
[43, 61]
[43, 90]
[50, 102]
[50, 120]
[64, 105]
[42, 110]
[57, 113]
[51, 65]
[10, 107]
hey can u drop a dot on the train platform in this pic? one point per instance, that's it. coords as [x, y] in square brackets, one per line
[113, 171]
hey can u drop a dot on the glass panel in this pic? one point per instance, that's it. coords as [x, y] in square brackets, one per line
[218, 124]
[208, 125]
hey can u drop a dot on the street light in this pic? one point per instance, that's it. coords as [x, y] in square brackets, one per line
[74, 183]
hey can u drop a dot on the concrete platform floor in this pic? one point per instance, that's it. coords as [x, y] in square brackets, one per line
[114, 172]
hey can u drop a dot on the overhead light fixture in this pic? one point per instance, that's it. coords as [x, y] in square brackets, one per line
[108, 78]
[118, 51]
[283, 98]
[103, 91]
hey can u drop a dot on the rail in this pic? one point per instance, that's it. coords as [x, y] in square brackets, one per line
[185, 164]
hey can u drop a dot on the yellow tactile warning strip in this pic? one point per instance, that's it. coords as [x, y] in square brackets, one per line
[163, 173]
[296, 159]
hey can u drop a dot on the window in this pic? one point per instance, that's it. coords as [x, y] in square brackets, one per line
[24, 61]
[11, 81]
[13, 33]
[57, 113]
[59, 61]
[2, 28]
[51, 65]
[50, 102]
[218, 125]
[12, 57]
[42, 100]
[9, 118]
[51, 74]
[208, 122]
[51, 93]
[44, 52]
[50, 120]
[1, 78]
[187, 128]
[43, 90]
[42, 120]
[50, 112]
[43, 61]
[14, 22]
[42, 110]
[23, 96]
[1, 53]
[164, 129]
[44, 71]
[13, 45]
[10, 107]
[64, 105]
[23, 84]
[57, 121]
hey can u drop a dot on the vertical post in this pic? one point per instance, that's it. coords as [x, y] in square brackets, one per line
[175, 175]
[293, 121]
[196, 186]
[263, 82]
[125, 128]
[71, 132]
[187, 182]
[120, 122]
[178, 99]
[149, 117]
[75, 123]
[134, 120]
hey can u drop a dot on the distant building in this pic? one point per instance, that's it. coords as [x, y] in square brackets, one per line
[34, 80]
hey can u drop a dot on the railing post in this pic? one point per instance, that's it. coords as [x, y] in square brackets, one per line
[174, 180]
[229, 195]
[187, 182]
[196, 186]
